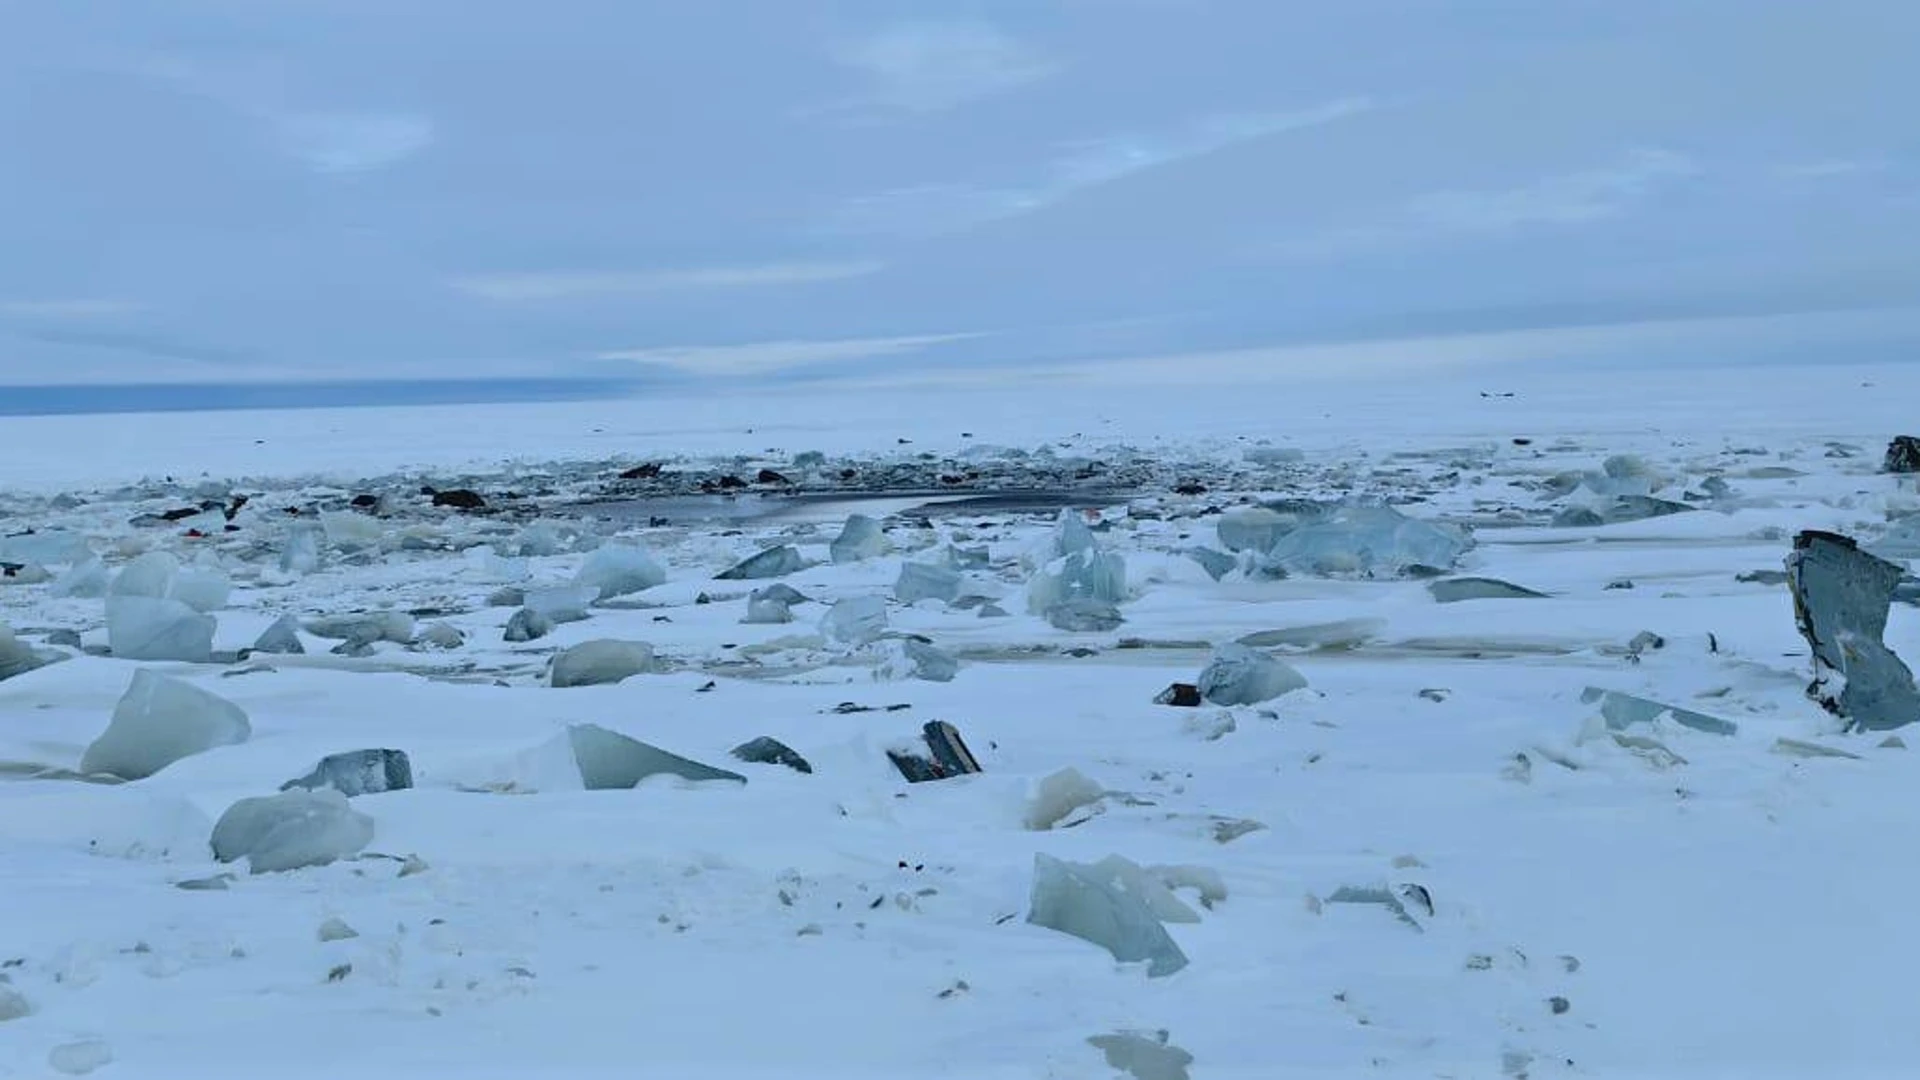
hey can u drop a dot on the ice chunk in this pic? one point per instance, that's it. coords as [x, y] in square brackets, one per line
[283, 637]
[1216, 564]
[13, 1004]
[1370, 541]
[441, 635]
[1454, 590]
[1086, 575]
[925, 581]
[1148, 886]
[771, 563]
[201, 587]
[1374, 894]
[1254, 528]
[160, 720]
[528, 625]
[770, 751]
[291, 830]
[88, 580]
[1903, 455]
[1339, 634]
[1622, 711]
[1083, 615]
[1087, 903]
[350, 530]
[609, 760]
[859, 539]
[601, 661]
[1058, 795]
[489, 565]
[149, 575]
[565, 604]
[145, 628]
[1273, 455]
[47, 547]
[1072, 534]
[16, 656]
[973, 558]
[365, 628]
[359, 772]
[785, 594]
[81, 1057]
[301, 552]
[1238, 675]
[1841, 596]
[855, 620]
[24, 574]
[918, 660]
[764, 609]
[1143, 1057]
[620, 570]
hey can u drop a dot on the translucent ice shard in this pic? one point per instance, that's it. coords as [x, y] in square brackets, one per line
[1087, 903]
[925, 581]
[859, 539]
[283, 637]
[16, 656]
[599, 662]
[359, 772]
[1252, 529]
[619, 570]
[160, 720]
[1622, 711]
[771, 563]
[1371, 541]
[1841, 596]
[46, 547]
[855, 620]
[145, 628]
[1238, 675]
[1088, 574]
[609, 760]
[87, 579]
[1454, 590]
[291, 830]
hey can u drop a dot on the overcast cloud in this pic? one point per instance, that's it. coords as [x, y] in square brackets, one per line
[228, 189]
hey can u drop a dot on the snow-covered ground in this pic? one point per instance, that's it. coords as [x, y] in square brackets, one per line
[1668, 903]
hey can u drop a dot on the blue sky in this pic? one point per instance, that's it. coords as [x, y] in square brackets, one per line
[229, 189]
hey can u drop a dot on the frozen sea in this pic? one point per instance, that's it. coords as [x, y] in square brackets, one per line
[1674, 903]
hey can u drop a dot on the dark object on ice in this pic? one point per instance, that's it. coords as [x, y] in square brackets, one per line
[768, 476]
[1454, 590]
[233, 508]
[365, 502]
[647, 471]
[181, 514]
[949, 755]
[1762, 577]
[459, 499]
[1903, 455]
[728, 482]
[1840, 599]
[1189, 487]
[359, 772]
[1185, 695]
[770, 751]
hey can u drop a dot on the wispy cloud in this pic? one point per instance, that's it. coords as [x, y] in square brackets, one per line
[1564, 199]
[326, 140]
[74, 309]
[936, 209]
[567, 284]
[766, 357]
[352, 142]
[926, 67]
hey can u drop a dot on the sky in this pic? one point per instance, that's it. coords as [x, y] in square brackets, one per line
[230, 190]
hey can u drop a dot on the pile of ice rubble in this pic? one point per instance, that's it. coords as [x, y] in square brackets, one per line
[155, 604]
